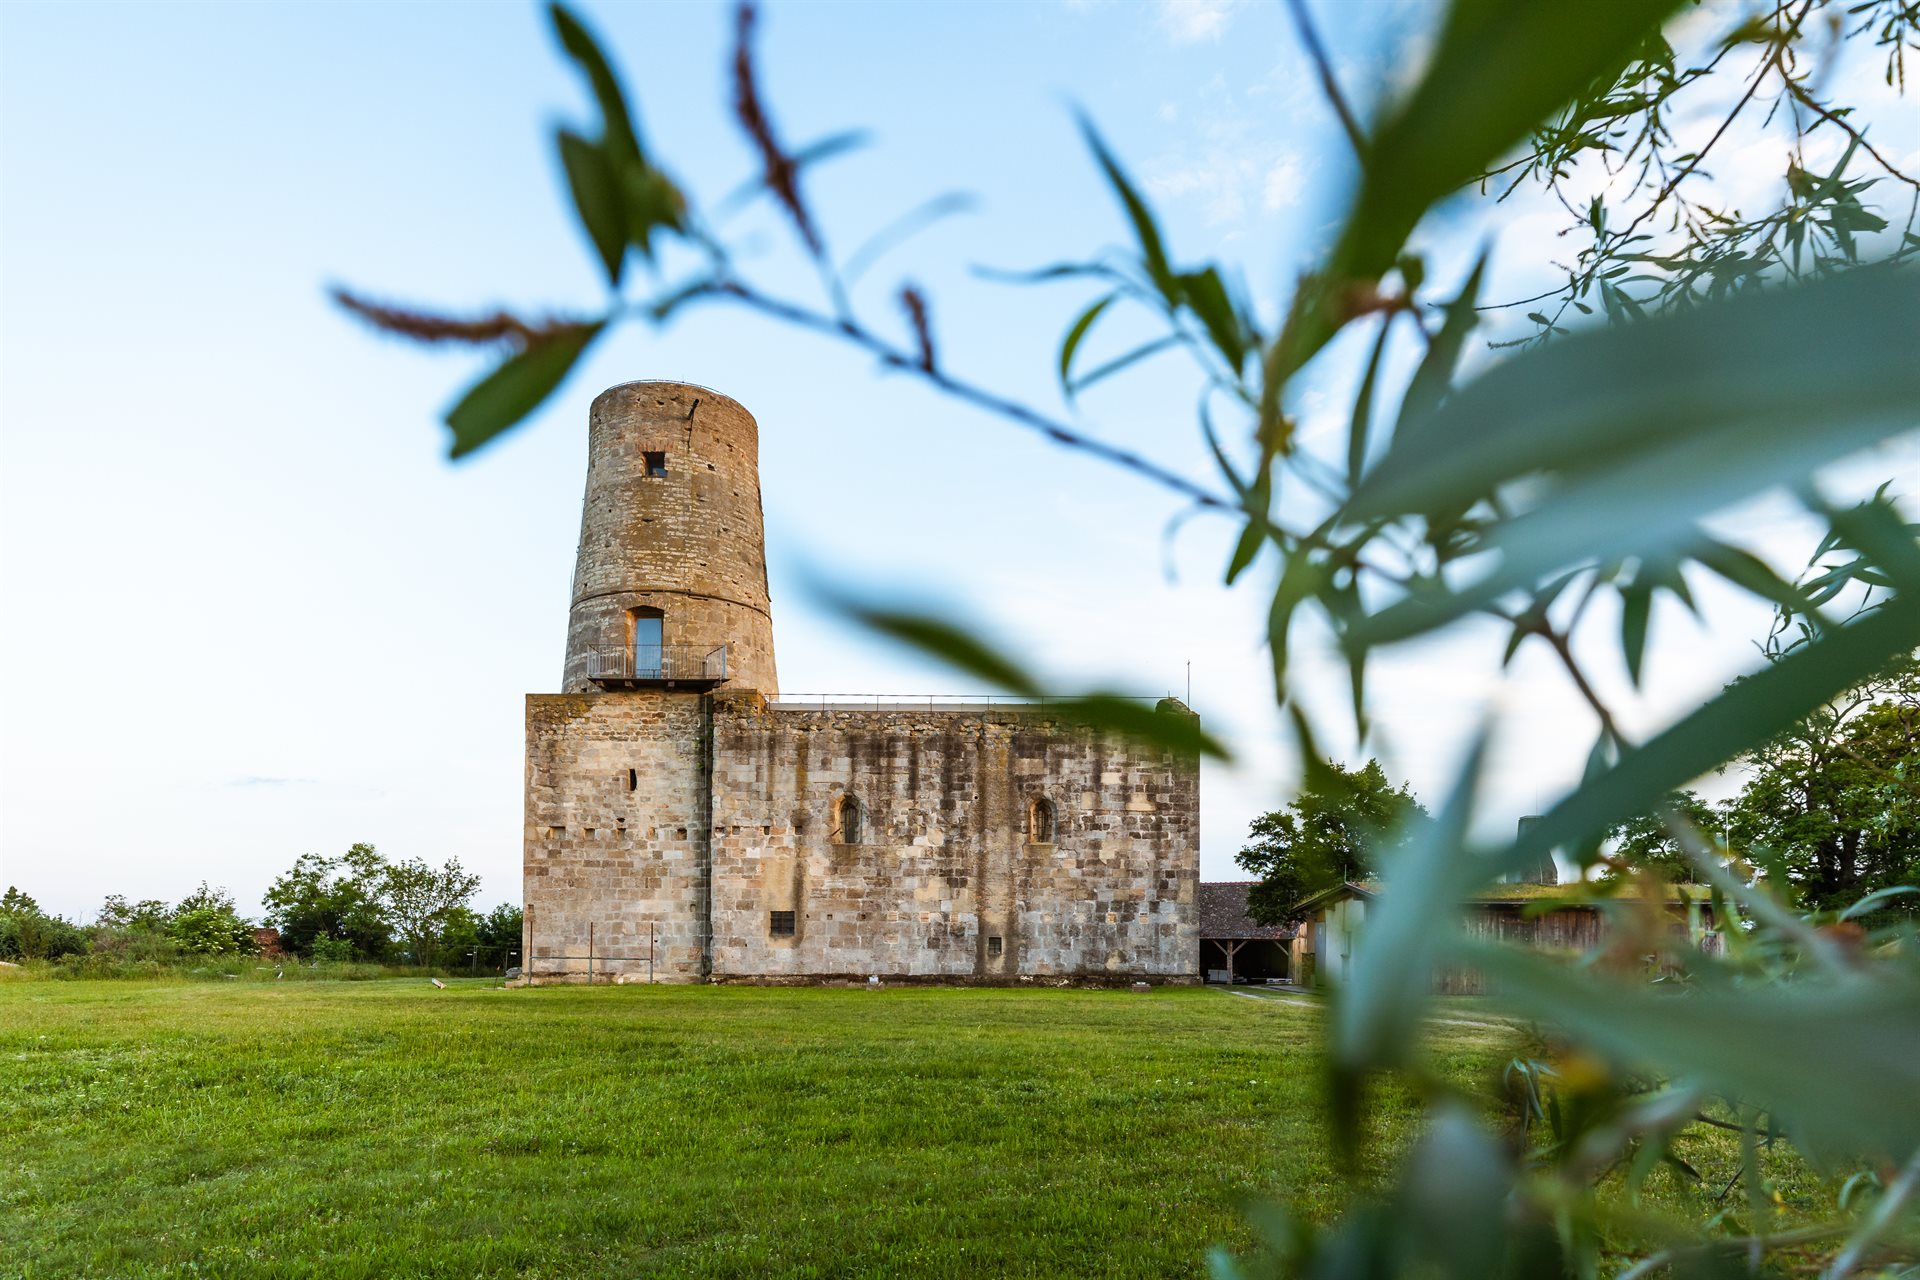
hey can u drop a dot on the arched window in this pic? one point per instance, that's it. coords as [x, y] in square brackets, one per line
[648, 626]
[1040, 821]
[847, 819]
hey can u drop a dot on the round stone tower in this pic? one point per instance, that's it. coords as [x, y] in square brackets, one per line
[670, 584]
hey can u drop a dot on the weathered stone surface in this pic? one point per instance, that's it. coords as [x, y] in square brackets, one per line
[692, 834]
[688, 543]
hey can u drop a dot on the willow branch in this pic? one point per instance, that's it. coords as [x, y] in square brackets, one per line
[1310, 37]
[851, 330]
[1860, 139]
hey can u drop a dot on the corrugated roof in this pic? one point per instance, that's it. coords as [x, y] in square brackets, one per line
[1223, 913]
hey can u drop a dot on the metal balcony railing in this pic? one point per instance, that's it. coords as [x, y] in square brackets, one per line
[667, 664]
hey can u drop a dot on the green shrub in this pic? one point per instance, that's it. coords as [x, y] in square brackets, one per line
[211, 931]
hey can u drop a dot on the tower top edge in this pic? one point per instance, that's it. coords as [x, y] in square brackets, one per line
[670, 384]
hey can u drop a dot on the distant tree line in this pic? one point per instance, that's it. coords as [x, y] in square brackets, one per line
[358, 906]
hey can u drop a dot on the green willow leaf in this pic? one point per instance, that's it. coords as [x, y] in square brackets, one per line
[1408, 926]
[1121, 362]
[1206, 294]
[1744, 569]
[1169, 726]
[1750, 710]
[516, 388]
[1434, 378]
[1152, 249]
[1075, 335]
[621, 139]
[952, 644]
[1450, 129]
[596, 195]
[1164, 725]
[902, 229]
[1877, 899]
[1831, 359]
[1845, 1078]
[1377, 1012]
[1360, 427]
[1453, 1198]
[1636, 609]
[1259, 500]
[1728, 401]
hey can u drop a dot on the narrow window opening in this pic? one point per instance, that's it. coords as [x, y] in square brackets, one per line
[780, 924]
[993, 946]
[846, 820]
[656, 465]
[633, 779]
[1040, 822]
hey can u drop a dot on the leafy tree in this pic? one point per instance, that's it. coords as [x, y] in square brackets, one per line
[133, 930]
[420, 900]
[1726, 352]
[489, 941]
[500, 933]
[1337, 829]
[208, 922]
[1646, 842]
[28, 933]
[338, 898]
[458, 942]
[207, 898]
[1833, 804]
[149, 915]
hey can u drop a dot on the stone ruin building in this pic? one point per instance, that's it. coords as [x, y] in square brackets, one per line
[685, 823]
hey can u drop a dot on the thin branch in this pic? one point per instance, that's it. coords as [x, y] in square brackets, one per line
[1770, 62]
[1540, 627]
[1860, 139]
[894, 357]
[1310, 37]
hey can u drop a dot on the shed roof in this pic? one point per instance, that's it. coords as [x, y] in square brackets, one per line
[1223, 913]
[1575, 894]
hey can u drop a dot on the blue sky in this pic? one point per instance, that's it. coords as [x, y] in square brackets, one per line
[254, 612]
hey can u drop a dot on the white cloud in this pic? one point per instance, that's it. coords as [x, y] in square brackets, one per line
[1191, 21]
[1285, 176]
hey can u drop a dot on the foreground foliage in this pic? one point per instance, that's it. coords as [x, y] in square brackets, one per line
[1726, 355]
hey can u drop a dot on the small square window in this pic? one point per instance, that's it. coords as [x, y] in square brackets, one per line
[780, 924]
[993, 947]
[656, 465]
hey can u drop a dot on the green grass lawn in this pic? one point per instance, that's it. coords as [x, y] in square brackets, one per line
[391, 1129]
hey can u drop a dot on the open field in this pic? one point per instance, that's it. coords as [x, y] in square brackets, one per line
[390, 1129]
[383, 1129]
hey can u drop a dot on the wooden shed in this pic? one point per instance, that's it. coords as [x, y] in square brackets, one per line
[1232, 946]
[1514, 913]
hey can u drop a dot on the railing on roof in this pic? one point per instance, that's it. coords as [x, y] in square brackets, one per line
[932, 701]
[701, 665]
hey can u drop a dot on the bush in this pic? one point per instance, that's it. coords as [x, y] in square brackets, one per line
[27, 933]
[325, 950]
[211, 931]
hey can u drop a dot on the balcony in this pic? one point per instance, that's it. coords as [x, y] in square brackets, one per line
[670, 666]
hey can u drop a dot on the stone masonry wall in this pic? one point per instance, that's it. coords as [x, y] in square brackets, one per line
[689, 543]
[946, 862]
[616, 811]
